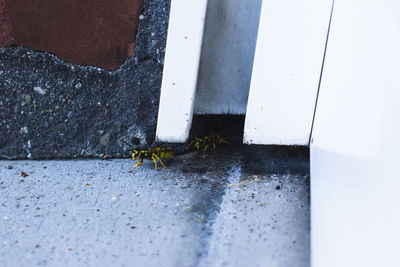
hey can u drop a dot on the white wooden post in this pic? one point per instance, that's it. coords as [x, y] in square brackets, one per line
[181, 65]
[286, 71]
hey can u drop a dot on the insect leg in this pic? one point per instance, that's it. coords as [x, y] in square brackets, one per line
[137, 164]
[134, 154]
[204, 150]
[155, 162]
[224, 141]
[154, 155]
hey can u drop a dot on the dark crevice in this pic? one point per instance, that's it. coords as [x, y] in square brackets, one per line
[228, 126]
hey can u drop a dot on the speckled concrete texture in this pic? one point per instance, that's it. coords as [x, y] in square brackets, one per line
[222, 210]
[52, 109]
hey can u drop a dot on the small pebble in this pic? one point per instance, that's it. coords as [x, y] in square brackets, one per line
[28, 99]
[23, 130]
[39, 90]
[105, 139]
[78, 85]
[57, 108]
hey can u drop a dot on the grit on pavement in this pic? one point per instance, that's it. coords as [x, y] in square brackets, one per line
[237, 207]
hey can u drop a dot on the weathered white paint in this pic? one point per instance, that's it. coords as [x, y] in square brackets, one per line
[181, 65]
[286, 71]
[355, 180]
[229, 42]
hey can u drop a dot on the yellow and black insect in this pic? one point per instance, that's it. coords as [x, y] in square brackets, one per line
[203, 143]
[156, 153]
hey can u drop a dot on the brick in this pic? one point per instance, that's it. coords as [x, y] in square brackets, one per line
[93, 32]
[6, 38]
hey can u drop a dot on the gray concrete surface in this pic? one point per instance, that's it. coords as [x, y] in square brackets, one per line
[236, 208]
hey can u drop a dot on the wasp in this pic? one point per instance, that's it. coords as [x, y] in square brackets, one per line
[203, 143]
[155, 153]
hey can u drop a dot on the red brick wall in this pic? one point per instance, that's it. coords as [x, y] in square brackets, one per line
[5, 26]
[91, 32]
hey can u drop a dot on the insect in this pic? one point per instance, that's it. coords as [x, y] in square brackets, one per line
[155, 153]
[205, 142]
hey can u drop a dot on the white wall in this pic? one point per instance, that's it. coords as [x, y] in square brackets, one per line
[229, 42]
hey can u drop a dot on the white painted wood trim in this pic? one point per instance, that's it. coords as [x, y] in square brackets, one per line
[181, 65]
[286, 71]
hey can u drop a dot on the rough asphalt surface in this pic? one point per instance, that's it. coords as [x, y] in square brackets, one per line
[52, 109]
[239, 207]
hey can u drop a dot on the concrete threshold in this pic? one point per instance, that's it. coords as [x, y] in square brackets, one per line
[232, 208]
